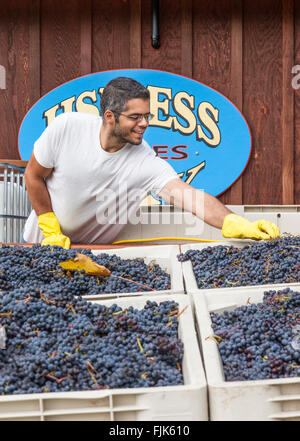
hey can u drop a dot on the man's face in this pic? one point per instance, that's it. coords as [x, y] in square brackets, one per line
[126, 128]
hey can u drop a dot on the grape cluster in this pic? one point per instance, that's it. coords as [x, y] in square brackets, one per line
[59, 342]
[37, 265]
[260, 341]
[265, 262]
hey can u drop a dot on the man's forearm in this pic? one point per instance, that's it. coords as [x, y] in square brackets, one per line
[214, 212]
[201, 204]
[38, 195]
[205, 207]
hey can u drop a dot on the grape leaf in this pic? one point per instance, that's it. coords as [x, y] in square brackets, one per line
[83, 262]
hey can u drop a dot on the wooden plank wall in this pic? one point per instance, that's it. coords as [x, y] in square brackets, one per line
[246, 49]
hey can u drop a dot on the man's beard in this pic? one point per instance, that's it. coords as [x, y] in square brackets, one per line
[123, 136]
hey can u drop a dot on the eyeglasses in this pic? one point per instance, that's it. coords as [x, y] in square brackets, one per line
[137, 117]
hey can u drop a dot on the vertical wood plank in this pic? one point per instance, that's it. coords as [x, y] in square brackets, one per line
[5, 94]
[121, 34]
[168, 56]
[295, 77]
[34, 52]
[110, 35]
[212, 44]
[262, 100]
[135, 37]
[14, 56]
[187, 38]
[60, 42]
[85, 37]
[102, 31]
[236, 191]
[287, 102]
[212, 27]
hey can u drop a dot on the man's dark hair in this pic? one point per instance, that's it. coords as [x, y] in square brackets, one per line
[118, 91]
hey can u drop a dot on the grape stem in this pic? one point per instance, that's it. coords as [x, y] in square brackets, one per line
[132, 281]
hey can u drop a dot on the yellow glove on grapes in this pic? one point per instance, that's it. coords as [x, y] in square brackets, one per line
[50, 227]
[235, 226]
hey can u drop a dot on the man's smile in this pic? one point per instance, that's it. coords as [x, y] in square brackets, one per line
[138, 132]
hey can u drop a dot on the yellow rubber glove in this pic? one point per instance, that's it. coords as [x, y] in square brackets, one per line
[235, 226]
[50, 227]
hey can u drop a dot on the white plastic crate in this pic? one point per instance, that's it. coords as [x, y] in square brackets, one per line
[189, 276]
[166, 221]
[260, 400]
[186, 402]
[163, 255]
[286, 217]
[163, 221]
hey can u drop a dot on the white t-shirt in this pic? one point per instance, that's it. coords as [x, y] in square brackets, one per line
[94, 193]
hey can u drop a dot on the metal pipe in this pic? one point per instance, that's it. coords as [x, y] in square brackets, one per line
[18, 211]
[23, 196]
[155, 37]
[15, 201]
[12, 204]
[5, 205]
[23, 202]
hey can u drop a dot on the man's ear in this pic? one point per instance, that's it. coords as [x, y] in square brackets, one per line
[109, 117]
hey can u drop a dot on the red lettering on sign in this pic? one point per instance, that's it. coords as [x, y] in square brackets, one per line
[160, 150]
[178, 150]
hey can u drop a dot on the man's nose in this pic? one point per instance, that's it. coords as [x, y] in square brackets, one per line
[143, 122]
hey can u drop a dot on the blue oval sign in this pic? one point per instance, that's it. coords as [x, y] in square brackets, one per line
[196, 129]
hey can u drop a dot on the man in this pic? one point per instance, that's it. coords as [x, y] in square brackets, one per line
[83, 165]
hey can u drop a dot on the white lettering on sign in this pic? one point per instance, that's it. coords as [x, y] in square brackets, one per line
[161, 101]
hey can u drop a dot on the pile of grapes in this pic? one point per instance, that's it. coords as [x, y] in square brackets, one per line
[265, 262]
[54, 341]
[260, 341]
[25, 266]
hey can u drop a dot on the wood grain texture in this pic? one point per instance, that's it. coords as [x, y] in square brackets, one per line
[234, 195]
[187, 38]
[293, 77]
[287, 103]
[168, 56]
[212, 44]
[111, 35]
[135, 37]
[14, 56]
[243, 48]
[85, 37]
[60, 42]
[34, 52]
[102, 36]
[212, 27]
[262, 105]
